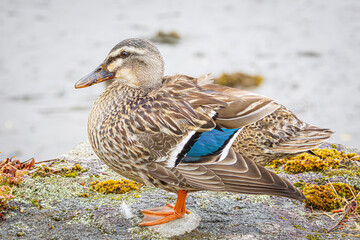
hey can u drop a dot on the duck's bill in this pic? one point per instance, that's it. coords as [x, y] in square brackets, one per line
[99, 75]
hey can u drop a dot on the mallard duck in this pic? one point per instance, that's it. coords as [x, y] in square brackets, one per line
[185, 134]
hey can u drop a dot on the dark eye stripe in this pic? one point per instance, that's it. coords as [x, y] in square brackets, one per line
[114, 58]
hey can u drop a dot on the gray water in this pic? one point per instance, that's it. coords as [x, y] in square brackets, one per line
[307, 51]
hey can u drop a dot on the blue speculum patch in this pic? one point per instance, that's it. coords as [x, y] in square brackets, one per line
[209, 143]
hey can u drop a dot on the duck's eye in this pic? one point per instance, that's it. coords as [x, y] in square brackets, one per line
[124, 54]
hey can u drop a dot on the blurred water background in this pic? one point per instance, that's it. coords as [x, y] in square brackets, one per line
[307, 51]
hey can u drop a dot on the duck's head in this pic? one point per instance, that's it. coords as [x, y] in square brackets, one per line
[134, 62]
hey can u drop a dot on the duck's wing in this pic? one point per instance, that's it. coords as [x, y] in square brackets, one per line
[289, 134]
[235, 173]
[235, 108]
[244, 107]
[198, 123]
[204, 160]
[238, 174]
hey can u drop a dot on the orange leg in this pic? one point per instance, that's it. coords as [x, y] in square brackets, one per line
[164, 214]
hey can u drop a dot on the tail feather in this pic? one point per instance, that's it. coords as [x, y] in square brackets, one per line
[308, 138]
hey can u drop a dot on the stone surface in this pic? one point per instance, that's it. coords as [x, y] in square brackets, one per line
[170, 229]
[65, 215]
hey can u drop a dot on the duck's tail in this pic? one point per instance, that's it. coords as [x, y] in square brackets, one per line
[308, 138]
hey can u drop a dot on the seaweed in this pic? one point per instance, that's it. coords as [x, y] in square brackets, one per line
[171, 37]
[239, 79]
[12, 172]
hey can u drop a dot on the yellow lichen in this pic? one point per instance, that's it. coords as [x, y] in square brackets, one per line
[325, 159]
[114, 186]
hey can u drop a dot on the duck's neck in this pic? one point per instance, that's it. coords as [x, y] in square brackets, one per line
[124, 94]
[117, 98]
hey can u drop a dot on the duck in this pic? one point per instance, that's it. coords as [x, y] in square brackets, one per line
[184, 134]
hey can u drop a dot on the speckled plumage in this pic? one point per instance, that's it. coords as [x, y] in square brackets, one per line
[143, 126]
[279, 135]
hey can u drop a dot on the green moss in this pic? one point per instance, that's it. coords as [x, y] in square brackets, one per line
[70, 174]
[300, 184]
[328, 197]
[351, 173]
[34, 202]
[44, 171]
[344, 190]
[114, 186]
[321, 197]
[314, 237]
[299, 227]
[48, 189]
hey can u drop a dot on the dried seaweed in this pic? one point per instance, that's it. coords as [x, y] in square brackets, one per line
[12, 172]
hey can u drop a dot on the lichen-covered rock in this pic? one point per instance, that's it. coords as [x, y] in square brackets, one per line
[179, 226]
[60, 207]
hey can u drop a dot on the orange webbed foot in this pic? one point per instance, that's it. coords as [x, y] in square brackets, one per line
[164, 214]
[159, 215]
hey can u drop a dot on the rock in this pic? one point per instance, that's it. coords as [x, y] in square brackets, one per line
[66, 214]
[179, 226]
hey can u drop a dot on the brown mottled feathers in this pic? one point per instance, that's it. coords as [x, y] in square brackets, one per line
[140, 135]
[280, 134]
[234, 174]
